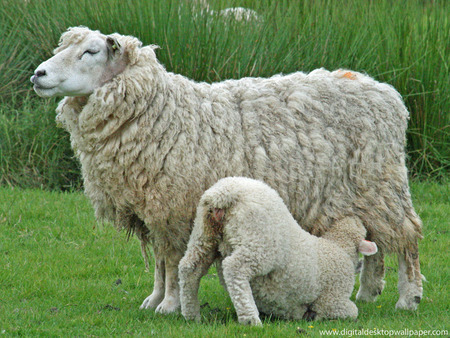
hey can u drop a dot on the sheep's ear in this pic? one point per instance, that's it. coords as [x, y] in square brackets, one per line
[367, 248]
[113, 45]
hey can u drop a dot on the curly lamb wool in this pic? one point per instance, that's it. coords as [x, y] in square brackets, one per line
[267, 262]
[150, 142]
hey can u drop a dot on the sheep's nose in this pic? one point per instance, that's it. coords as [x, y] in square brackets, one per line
[40, 73]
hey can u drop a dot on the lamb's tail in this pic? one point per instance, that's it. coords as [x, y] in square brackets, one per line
[223, 195]
[217, 201]
[214, 208]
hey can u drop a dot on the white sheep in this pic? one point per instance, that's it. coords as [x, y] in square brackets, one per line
[236, 13]
[150, 142]
[269, 263]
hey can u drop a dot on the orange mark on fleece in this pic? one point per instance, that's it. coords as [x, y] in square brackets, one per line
[349, 75]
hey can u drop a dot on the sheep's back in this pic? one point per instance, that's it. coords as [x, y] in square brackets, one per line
[332, 144]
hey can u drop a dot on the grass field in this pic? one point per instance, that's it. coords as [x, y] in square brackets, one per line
[62, 274]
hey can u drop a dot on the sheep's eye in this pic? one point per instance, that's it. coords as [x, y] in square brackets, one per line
[90, 52]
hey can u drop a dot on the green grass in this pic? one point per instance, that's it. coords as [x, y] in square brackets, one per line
[408, 48]
[59, 268]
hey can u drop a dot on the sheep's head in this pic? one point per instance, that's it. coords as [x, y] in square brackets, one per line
[83, 61]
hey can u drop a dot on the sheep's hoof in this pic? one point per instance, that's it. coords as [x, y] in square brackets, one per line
[410, 297]
[152, 301]
[370, 296]
[410, 304]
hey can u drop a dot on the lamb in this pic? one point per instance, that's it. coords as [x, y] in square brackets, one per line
[150, 142]
[268, 262]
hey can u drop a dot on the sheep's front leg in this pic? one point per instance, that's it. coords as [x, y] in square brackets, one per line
[371, 278]
[171, 301]
[152, 301]
[237, 273]
[192, 268]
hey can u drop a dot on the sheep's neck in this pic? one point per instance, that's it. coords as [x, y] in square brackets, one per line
[78, 102]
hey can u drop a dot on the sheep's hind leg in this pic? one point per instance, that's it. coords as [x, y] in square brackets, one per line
[152, 301]
[409, 281]
[371, 278]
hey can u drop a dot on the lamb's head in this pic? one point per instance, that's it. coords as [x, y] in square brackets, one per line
[83, 61]
[349, 233]
[367, 248]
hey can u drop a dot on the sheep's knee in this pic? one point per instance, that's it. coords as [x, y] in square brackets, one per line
[371, 278]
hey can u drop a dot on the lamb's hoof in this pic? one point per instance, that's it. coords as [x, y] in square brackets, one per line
[410, 304]
[168, 305]
[309, 315]
[253, 321]
[152, 301]
[195, 316]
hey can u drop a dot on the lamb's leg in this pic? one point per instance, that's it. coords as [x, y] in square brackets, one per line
[171, 301]
[409, 281]
[332, 306]
[371, 278]
[152, 301]
[237, 274]
[193, 266]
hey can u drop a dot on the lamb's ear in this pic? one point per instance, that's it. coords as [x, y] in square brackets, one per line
[367, 248]
[113, 45]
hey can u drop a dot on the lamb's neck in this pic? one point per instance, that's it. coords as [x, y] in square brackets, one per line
[346, 240]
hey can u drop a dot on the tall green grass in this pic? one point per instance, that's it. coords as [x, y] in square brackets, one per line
[33, 152]
[404, 43]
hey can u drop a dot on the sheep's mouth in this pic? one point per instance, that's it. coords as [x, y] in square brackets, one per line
[44, 91]
[35, 81]
[40, 87]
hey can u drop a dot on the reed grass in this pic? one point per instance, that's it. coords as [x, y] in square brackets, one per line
[406, 44]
